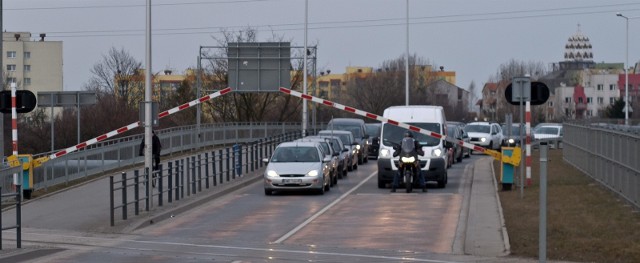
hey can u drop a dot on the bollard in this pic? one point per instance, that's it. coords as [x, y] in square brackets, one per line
[542, 240]
[213, 168]
[220, 160]
[136, 193]
[124, 196]
[159, 177]
[111, 202]
[199, 171]
[169, 181]
[206, 169]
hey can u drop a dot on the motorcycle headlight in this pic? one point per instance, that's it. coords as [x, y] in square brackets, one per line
[272, 173]
[358, 146]
[408, 159]
[436, 152]
[313, 173]
[483, 139]
[511, 141]
[384, 152]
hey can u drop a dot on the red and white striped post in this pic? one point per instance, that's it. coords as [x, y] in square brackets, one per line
[14, 127]
[528, 138]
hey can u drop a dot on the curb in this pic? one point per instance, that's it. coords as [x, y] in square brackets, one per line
[503, 229]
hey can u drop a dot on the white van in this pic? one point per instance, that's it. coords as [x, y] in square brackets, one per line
[434, 163]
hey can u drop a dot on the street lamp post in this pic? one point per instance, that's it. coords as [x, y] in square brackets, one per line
[626, 73]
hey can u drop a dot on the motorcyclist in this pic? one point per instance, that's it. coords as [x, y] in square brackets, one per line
[418, 149]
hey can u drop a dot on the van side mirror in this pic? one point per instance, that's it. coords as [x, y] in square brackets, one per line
[265, 160]
[448, 144]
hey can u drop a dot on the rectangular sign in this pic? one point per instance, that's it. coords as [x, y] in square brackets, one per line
[259, 66]
[521, 89]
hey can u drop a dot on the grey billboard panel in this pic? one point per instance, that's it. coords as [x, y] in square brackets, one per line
[65, 98]
[261, 66]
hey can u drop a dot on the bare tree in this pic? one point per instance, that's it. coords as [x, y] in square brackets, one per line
[117, 65]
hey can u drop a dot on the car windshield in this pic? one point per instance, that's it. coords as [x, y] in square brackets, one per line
[336, 145]
[295, 154]
[394, 134]
[354, 129]
[345, 138]
[451, 130]
[373, 130]
[477, 128]
[548, 130]
[515, 129]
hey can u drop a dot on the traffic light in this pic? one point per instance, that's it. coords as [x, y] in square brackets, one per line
[25, 101]
[539, 94]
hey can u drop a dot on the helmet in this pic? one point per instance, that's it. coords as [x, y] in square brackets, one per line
[408, 134]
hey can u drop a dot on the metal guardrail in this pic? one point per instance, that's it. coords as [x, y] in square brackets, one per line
[121, 152]
[609, 156]
[15, 195]
[191, 173]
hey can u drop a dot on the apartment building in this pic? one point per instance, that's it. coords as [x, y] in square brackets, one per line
[33, 64]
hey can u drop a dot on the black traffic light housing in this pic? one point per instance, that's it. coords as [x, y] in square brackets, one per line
[539, 93]
[25, 101]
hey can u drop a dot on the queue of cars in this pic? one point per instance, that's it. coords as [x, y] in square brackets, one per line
[317, 162]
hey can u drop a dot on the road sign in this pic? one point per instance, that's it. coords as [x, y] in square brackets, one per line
[25, 101]
[538, 93]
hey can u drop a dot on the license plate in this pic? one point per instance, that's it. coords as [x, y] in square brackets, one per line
[291, 181]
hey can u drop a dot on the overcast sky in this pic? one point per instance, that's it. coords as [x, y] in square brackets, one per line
[471, 37]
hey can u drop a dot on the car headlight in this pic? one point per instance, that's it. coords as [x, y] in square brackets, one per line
[436, 152]
[313, 173]
[408, 159]
[483, 139]
[358, 146]
[384, 152]
[272, 173]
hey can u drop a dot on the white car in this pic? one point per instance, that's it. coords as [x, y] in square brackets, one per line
[297, 166]
[551, 133]
[485, 134]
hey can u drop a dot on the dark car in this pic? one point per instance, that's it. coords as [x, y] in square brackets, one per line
[357, 128]
[512, 139]
[373, 130]
[455, 131]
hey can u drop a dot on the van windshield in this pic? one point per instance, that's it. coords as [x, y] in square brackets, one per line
[394, 134]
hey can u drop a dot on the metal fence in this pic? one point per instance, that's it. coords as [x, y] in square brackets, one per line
[122, 152]
[611, 157]
[187, 176]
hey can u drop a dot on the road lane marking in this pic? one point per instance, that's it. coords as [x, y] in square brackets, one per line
[319, 213]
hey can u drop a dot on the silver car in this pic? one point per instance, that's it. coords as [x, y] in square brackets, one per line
[327, 150]
[297, 166]
[343, 156]
[349, 143]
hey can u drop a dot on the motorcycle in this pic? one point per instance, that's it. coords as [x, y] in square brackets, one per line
[408, 163]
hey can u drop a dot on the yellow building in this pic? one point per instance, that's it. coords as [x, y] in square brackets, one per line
[332, 86]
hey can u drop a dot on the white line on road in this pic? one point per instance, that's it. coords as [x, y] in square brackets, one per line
[319, 213]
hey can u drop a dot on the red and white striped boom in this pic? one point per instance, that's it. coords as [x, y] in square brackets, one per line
[129, 127]
[492, 153]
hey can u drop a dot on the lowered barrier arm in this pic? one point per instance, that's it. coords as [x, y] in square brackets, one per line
[39, 161]
[495, 154]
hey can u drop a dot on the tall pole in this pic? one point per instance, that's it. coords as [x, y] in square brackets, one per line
[147, 93]
[199, 88]
[406, 63]
[626, 73]
[626, 78]
[304, 69]
[2, 78]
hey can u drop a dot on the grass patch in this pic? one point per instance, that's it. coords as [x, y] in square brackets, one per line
[585, 221]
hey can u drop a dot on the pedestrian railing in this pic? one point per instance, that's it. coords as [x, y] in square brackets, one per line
[122, 152]
[609, 156]
[15, 196]
[188, 176]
